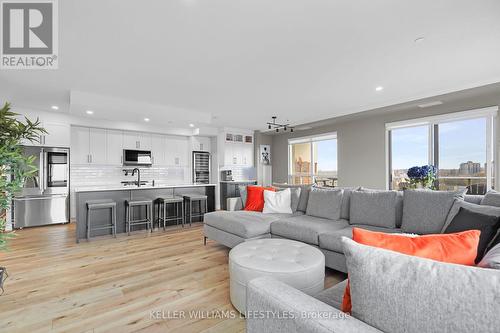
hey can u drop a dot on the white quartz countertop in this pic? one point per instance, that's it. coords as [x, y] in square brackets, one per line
[135, 188]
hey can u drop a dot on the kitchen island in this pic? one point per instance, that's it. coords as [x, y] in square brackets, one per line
[121, 194]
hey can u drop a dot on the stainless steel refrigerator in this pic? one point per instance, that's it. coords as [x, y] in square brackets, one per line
[201, 167]
[45, 196]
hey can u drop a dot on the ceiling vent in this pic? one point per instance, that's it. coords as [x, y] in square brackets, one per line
[428, 105]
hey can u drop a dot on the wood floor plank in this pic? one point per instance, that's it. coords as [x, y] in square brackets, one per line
[114, 285]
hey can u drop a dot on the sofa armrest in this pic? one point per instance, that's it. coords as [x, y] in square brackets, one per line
[234, 204]
[273, 306]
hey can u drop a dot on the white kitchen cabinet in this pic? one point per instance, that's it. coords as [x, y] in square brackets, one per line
[137, 140]
[114, 147]
[97, 146]
[88, 145]
[238, 154]
[201, 143]
[58, 135]
[177, 151]
[80, 143]
[158, 150]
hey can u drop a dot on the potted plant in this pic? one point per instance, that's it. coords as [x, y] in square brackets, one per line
[14, 166]
[422, 176]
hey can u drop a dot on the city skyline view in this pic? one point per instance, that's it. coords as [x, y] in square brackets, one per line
[459, 142]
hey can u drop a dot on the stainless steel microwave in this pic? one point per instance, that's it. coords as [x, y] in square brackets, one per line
[137, 157]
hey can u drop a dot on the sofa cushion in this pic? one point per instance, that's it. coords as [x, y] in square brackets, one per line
[486, 210]
[246, 224]
[295, 195]
[346, 201]
[333, 296]
[332, 240]
[324, 203]
[468, 220]
[376, 208]
[425, 212]
[305, 228]
[491, 259]
[474, 198]
[304, 194]
[491, 198]
[399, 293]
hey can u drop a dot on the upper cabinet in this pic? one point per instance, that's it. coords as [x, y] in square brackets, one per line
[137, 140]
[237, 149]
[158, 149]
[88, 146]
[201, 143]
[58, 135]
[114, 147]
[177, 151]
[105, 146]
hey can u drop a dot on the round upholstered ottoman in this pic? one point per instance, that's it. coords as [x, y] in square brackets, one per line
[294, 263]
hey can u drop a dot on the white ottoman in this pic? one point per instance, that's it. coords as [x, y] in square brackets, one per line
[294, 263]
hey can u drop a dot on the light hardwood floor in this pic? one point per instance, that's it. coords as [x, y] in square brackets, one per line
[113, 285]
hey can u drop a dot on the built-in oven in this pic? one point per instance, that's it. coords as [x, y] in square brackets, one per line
[56, 177]
[137, 157]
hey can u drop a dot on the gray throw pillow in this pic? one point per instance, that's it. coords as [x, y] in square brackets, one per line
[491, 198]
[324, 203]
[295, 194]
[425, 211]
[399, 204]
[491, 259]
[243, 194]
[486, 210]
[377, 208]
[399, 293]
[304, 194]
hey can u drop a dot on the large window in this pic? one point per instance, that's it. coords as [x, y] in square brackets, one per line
[459, 145]
[313, 160]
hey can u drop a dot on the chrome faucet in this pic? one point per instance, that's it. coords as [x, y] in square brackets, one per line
[138, 176]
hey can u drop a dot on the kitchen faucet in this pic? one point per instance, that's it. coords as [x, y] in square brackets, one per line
[138, 176]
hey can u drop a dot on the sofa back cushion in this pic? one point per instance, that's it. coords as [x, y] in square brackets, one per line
[491, 198]
[491, 259]
[304, 195]
[346, 201]
[325, 203]
[486, 210]
[376, 208]
[295, 194]
[399, 293]
[243, 194]
[425, 211]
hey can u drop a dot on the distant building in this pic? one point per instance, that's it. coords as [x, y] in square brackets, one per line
[469, 168]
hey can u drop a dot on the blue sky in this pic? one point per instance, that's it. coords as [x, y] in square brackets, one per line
[327, 155]
[459, 142]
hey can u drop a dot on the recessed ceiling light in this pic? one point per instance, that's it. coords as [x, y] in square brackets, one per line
[146, 119]
[89, 112]
[379, 88]
[54, 107]
[419, 39]
[191, 125]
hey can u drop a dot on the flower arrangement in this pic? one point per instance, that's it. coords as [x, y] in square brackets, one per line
[423, 176]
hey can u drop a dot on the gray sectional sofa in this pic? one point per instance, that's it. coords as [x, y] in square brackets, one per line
[320, 222]
[391, 292]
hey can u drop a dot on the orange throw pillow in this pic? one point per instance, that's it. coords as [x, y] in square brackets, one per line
[458, 248]
[255, 198]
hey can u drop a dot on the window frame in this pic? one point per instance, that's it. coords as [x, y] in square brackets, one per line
[432, 122]
[309, 139]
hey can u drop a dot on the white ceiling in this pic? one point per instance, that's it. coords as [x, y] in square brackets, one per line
[236, 63]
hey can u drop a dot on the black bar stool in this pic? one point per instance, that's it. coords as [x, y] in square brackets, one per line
[129, 216]
[188, 203]
[94, 205]
[163, 217]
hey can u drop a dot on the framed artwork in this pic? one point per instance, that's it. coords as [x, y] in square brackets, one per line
[265, 154]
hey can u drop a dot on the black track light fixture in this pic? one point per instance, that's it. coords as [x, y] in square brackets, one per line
[277, 126]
